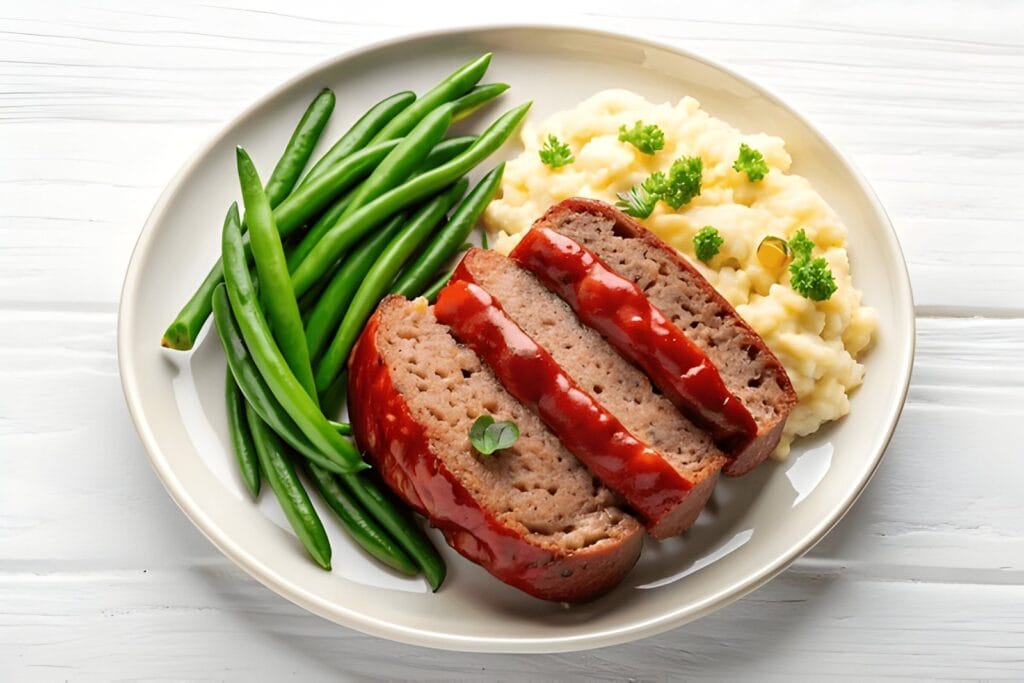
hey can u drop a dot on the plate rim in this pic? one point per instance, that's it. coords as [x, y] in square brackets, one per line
[341, 614]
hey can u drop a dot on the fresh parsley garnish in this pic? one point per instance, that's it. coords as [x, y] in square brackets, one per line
[750, 162]
[683, 181]
[707, 242]
[809, 277]
[801, 246]
[812, 279]
[639, 200]
[488, 436]
[675, 188]
[647, 139]
[556, 153]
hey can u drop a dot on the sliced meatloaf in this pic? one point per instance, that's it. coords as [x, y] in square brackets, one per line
[531, 514]
[669, 481]
[748, 368]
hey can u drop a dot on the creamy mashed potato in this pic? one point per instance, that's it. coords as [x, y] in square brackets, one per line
[817, 342]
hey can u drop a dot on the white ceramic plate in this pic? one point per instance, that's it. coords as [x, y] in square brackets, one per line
[753, 529]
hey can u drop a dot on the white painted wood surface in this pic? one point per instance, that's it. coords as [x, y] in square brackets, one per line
[102, 578]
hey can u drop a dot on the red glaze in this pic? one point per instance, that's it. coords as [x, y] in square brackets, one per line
[398, 445]
[634, 470]
[617, 308]
[751, 454]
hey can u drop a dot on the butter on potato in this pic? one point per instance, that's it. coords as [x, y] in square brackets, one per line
[817, 342]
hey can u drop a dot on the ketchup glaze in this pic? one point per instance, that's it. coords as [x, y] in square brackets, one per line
[618, 309]
[637, 472]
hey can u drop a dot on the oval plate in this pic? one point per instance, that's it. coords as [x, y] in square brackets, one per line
[754, 527]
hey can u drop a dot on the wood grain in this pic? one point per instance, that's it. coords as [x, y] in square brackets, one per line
[102, 578]
[809, 625]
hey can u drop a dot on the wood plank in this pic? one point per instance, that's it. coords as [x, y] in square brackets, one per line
[72, 463]
[210, 622]
[101, 113]
[101, 106]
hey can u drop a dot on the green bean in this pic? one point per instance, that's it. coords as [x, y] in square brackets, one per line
[290, 494]
[335, 299]
[399, 524]
[362, 528]
[300, 147]
[254, 388]
[476, 98]
[290, 215]
[379, 277]
[347, 232]
[241, 438]
[455, 85]
[483, 238]
[313, 235]
[288, 391]
[431, 292]
[310, 298]
[332, 400]
[443, 152]
[182, 332]
[315, 196]
[361, 132]
[341, 427]
[275, 290]
[448, 239]
[364, 489]
[446, 150]
[397, 166]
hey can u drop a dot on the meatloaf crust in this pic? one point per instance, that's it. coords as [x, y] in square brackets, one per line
[530, 515]
[748, 367]
[674, 444]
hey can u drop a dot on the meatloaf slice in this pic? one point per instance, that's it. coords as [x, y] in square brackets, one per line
[750, 370]
[673, 442]
[531, 514]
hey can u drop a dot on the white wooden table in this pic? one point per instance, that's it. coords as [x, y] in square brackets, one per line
[101, 577]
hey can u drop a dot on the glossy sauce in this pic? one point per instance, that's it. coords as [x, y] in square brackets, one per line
[617, 308]
[639, 473]
[400, 449]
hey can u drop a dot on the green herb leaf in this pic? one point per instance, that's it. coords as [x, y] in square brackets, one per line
[812, 279]
[647, 139]
[556, 153]
[488, 436]
[809, 277]
[639, 200]
[707, 243]
[750, 162]
[683, 181]
[801, 246]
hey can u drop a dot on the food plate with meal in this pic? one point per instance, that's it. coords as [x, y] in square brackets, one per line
[516, 339]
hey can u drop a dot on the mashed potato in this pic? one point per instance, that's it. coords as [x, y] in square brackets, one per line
[817, 342]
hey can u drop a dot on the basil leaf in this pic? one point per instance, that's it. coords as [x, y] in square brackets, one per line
[504, 434]
[477, 432]
[488, 436]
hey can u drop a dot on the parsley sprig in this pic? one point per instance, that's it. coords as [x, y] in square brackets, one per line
[556, 153]
[684, 180]
[639, 200]
[809, 277]
[677, 187]
[647, 139]
[707, 243]
[751, 162]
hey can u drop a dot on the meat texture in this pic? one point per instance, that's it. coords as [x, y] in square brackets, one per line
[531, 514]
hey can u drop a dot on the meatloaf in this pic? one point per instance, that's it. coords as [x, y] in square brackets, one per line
[748, 368]
[671, 477]
[531, 515]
